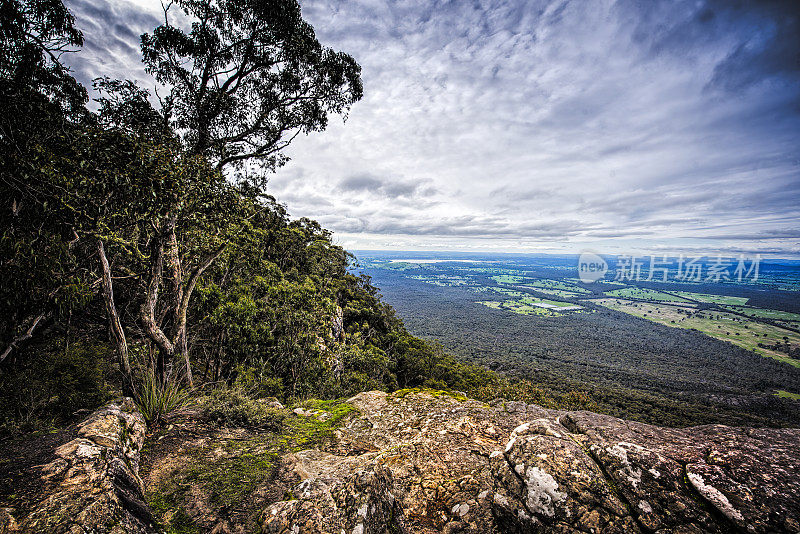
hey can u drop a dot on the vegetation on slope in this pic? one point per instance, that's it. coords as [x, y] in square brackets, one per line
[140, 249]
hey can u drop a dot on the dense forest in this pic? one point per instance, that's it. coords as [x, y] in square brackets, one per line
[623, 365]
[140, 251]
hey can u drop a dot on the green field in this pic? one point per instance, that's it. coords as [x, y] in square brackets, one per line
[712, 299]
[509, 292]
[516, 306]
[533, 306]
[766, 314]
[740, 331]
[554, 292]
[507, 279]
[556, 284]
[444, 281]
[604, 282]
[643, 294]
[787, 395]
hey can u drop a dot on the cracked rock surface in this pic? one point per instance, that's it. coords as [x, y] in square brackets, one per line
[93, 484]
[424, 463]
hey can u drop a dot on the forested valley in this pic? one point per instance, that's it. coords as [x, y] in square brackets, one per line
[619, 364]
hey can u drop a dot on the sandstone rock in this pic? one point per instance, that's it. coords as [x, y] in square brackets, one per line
[428, 462]
[271, 402]
[94, 483]
[359, 503]
[437, 464]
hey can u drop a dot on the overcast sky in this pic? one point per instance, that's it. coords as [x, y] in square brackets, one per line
[627, 126]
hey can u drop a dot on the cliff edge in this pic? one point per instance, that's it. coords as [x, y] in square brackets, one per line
[424, 462]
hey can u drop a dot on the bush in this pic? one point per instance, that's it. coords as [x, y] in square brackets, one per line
[233, 407]
[49, 383]
[258, 381]
[156, 400]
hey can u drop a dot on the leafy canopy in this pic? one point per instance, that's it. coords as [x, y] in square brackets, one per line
[247, 78]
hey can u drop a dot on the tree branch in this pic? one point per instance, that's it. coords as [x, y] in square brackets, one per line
[196, 274]
[24, 337]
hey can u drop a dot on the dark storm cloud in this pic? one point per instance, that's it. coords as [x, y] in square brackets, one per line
[764, 36]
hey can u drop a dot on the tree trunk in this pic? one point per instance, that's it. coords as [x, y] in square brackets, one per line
[180, 339]
[173, 261]
[114, 322]
[165, 348]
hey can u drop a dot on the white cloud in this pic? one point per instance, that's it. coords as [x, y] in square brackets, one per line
[528, 125]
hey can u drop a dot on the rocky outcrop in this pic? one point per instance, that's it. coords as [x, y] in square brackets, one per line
[427, 462]
[362, 502]
[93, 484]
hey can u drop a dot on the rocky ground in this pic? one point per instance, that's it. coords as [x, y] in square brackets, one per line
[419, 462]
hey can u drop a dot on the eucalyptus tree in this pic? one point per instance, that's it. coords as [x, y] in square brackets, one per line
[247, 78]
[132, 201]
[243, 82]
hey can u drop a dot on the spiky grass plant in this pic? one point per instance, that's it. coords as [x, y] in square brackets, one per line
[156, 400]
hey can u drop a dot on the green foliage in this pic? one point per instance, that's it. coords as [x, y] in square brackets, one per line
[55, 381]
[156, 399]
[33, 33]
[233, 407]
[363, 368]
[246, 76]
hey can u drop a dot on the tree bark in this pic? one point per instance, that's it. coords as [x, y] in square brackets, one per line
[114, 322]
[148, 311]
[173, 260]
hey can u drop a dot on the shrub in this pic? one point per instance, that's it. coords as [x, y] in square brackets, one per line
[156, 400]
[51, 382]
[233, 407]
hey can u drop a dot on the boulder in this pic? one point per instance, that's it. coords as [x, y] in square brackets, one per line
[93, 484]
[424, 462]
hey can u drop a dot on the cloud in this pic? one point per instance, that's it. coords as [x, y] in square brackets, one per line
[112, 31]
[540, 123]
[387, 187]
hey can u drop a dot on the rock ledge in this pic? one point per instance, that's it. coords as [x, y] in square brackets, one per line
[93, 484]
